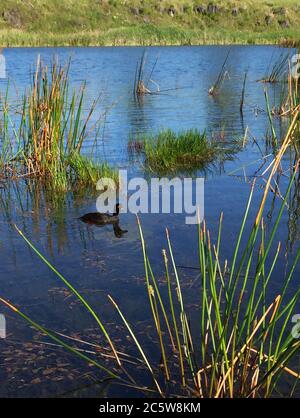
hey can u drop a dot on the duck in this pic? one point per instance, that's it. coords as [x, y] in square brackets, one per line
[102, 219]
[97, 218]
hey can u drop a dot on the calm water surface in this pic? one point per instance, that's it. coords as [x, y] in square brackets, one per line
[94, 260]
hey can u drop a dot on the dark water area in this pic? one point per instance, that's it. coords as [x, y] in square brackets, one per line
[94, 260]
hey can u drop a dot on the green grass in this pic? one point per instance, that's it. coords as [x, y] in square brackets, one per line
[107, 22]
[44, 138]
[170, 152]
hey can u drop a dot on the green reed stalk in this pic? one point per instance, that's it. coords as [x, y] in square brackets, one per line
[161, 304]
[136, 343]
[151, 296]
[183, 316]
[76, 293]
[56, 339]
[274, 136]
[181, 361]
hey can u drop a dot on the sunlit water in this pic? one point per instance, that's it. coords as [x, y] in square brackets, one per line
[93, 259]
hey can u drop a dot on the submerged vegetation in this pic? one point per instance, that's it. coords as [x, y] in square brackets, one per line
[47, 140]
[171, 152]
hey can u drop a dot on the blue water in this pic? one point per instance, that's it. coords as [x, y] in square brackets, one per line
[93, 259]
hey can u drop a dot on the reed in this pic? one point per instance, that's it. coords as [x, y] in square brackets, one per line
[215, 88]
[246, 343]
[47, 140]
[142, 79]
[243, 93]
[289, 109]
[290, 101]
[276, 70]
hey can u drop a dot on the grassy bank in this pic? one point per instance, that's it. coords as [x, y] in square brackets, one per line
[135, 22]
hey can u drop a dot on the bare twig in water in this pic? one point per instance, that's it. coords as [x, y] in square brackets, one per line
[243, 92]
[221, 76]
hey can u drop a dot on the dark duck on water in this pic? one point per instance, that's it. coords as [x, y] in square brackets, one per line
[101, 219]
[97, 218]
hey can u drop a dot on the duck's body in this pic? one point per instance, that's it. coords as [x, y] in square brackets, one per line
[97, 218]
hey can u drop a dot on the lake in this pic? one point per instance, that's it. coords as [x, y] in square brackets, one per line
[96, 261]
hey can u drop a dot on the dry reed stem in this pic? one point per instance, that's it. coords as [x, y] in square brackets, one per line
[285, 368]
[277, 161]
[273, 304]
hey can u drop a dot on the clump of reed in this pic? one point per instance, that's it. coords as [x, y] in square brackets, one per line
[169, 152]
[290, 101]
[289, 106]
[48, 140]
[142, 80]
[246, 342]
[277, 70]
